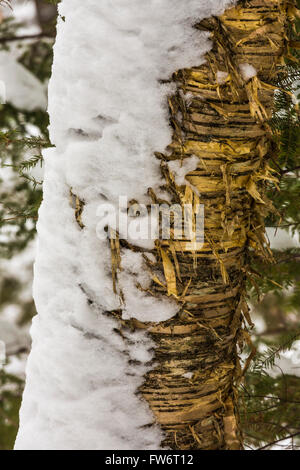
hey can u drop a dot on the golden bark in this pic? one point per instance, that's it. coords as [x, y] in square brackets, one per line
[225, 125]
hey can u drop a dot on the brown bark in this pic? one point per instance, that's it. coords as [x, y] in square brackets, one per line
[225, 126]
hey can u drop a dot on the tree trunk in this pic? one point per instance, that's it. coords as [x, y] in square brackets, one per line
[192, 391]
[88, 360]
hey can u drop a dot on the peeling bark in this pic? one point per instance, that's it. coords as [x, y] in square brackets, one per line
[226, 127]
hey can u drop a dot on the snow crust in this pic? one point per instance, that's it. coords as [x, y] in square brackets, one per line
[108, 115]
[181, 169]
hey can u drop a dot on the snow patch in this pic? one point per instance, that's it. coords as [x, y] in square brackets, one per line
[138, 303]
[188, 375]
[247, 71]
[221, 77]
[20, 87]
[180, 168]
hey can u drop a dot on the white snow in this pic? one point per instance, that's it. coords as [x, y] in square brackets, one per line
[18, 86]
[282, 239]
[221, 77]
[188, 375]
[138, 303]
[24, 12]
[120, 111]
[108, 115]
[181, 169]
[247, 71]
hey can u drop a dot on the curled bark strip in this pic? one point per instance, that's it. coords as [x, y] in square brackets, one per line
[78, 206]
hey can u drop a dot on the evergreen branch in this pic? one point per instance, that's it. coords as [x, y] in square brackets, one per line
[31, 179]
[280, 440]
[265, 361]
[10, 219]
[273, 398]
[277, 351]
[27, 165]
[38, 36]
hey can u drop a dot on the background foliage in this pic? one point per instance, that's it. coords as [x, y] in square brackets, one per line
[270, 395]
[23, 135]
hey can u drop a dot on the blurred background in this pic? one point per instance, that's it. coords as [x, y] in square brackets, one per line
[27, 31]
[270, 393]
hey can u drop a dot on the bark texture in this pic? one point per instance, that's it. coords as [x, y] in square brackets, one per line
[222, 119]
[225, 126]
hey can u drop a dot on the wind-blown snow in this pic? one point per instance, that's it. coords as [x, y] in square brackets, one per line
[108, 115]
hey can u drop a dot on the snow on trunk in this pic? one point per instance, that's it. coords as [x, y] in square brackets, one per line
[108, 113]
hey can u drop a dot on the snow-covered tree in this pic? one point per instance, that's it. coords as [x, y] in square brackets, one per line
[135, 345]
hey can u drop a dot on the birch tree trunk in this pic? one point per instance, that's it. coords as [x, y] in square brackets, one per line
[223, 122]
[91, 363]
